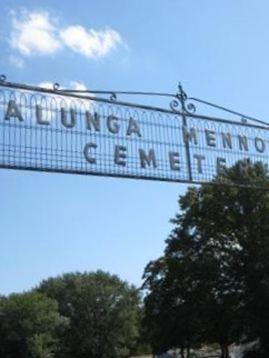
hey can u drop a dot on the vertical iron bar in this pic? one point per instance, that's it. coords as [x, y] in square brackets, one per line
[182, 98]
[187, 145]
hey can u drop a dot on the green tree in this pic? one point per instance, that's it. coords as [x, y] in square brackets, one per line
[103, 313]
[172, 313]
[216, 261]
[29, 325]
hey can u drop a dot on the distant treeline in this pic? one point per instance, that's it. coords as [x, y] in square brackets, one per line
[74, 315]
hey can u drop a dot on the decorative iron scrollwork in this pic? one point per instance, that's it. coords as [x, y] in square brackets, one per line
[174, 105]
[179, 102]
[56, 86]
[191, 108]
[3, 78]
[183, 99]
[113, 97]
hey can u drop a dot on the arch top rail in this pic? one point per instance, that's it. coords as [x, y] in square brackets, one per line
[180, 102]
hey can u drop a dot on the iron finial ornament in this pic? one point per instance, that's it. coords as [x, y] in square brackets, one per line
[181, 101]
[183, 98]
[181, 93]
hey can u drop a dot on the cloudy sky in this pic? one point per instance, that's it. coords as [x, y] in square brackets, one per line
[52, 223]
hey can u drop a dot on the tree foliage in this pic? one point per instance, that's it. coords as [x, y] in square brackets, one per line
[211, 285]
[75, 315]
[29, 324]
[103, 313]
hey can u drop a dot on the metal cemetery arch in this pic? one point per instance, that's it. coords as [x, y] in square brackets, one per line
[82, 132]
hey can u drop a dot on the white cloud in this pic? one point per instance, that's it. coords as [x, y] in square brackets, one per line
[75, 85]
[33, 33]
[46, 84]
[38, 33]
[90, 43]
[16, 61]
[78, 86]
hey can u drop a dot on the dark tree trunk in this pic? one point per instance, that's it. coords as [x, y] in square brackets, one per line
[227, 352]
[224, 351]
[182, 352]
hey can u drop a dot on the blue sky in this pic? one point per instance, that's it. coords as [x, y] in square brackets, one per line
[53, 223]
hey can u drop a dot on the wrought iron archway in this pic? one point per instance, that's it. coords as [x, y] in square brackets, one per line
[93, 132]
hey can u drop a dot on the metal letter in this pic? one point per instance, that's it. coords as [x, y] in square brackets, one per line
[221, 164]
[13, 111]
[146, 159]
[226, 140]
[174, 161]
[93, 120]
[259, 145]
[112, 124]
[87, 155]
[199, 162]
[64, 120]
[189, 135]
[120, 155]
[210, 138]
[39, 116]
[244, 166]
[133, 127]
[243, 143]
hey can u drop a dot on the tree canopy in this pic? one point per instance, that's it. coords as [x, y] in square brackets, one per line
[29, 326]
[211, 285]
[74, 315]
[103, 312]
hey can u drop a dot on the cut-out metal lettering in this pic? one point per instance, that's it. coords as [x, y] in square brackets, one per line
[58, 131]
